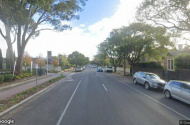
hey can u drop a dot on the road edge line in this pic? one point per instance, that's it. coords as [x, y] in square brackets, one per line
[29, 98]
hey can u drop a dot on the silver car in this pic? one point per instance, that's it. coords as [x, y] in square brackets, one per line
[178, 89]
[149, 80]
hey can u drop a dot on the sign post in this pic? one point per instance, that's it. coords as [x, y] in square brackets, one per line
[36, 78]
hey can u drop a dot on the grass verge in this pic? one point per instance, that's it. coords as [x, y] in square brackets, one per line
[7, 103]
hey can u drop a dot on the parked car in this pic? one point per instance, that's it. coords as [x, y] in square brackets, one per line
[83, 67]
[79, 69]
[99, 69]
[109, 69]
[178, 89]
[149, 80]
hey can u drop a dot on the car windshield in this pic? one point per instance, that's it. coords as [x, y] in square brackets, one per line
[109, 67]
[153, 76]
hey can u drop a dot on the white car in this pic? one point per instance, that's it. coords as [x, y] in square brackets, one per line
[79, 69]
[109, 69]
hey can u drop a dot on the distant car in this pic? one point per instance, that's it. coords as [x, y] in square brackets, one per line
[79, 69]
[179, 90]
[99, 69]
[109, 69]
[93, 66]
[149, 80]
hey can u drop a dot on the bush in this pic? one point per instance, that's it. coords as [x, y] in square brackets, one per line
[1, 78]
[8, 77]
[154, 65]
[182, 62]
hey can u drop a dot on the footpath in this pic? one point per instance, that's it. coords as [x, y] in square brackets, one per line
[9, 91]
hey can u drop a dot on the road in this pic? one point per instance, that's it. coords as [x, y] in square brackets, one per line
[94, 98]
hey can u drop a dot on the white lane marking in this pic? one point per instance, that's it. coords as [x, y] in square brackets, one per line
[65, 110]
[154, 100]
[104, 87]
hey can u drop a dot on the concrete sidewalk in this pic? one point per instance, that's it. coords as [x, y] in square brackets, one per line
[17, 89]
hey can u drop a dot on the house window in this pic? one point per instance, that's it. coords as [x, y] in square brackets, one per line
[170, 65]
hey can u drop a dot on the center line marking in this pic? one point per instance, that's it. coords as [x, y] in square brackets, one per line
[65, 110]
[104, 87]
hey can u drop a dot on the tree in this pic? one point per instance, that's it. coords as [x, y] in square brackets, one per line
[1, 60]
[24, 17]
[55, 62]
[135, 41]
[26, 60]
[171, 14]
[40, 61]
[64, 61]
[8, 65]
[77, 59]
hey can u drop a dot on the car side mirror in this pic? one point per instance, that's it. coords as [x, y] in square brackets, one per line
[144, 77]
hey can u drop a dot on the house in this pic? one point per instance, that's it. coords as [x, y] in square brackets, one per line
[170, 58]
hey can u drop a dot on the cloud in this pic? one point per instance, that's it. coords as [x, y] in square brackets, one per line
[83, 38]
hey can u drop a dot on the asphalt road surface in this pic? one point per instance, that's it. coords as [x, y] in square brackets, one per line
[96, 98]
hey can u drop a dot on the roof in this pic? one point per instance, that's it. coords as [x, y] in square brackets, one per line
[181, 81]
[175, 53]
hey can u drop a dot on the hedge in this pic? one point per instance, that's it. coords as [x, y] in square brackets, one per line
[8, 77]
[1, 78]
[154, 65]
[182, 62]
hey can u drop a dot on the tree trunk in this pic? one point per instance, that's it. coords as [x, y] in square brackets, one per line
[115, 68]
[11, 55]
[19, 60]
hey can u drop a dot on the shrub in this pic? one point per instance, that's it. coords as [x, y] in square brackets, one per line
[1, 78]
[8, 78]
[154, 65]
[182, 62]
[18, 77]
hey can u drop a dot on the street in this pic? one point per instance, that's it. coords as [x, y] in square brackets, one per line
[100, 98]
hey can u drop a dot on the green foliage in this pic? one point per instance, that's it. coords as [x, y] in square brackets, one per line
[182, 62]
[1, 78]
[8, 77]
[153, 65]
[1, 60]
[171, 14]
[77, 58]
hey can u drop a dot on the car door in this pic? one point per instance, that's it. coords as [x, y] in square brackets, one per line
[176, 89]
[185, 92]
[137, 76]
[143, 78]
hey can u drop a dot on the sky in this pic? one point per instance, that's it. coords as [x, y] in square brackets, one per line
[97, 20]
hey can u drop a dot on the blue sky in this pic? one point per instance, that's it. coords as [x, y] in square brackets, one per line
[95, 10]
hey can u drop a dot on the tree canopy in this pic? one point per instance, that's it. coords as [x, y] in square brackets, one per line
[78, 59]
[23, 18]
[171, 14]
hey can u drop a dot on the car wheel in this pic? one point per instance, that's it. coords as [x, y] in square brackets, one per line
[147, 86]
[134, 81]
[167, 94]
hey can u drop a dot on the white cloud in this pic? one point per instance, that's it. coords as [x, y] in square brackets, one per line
[82, 38]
